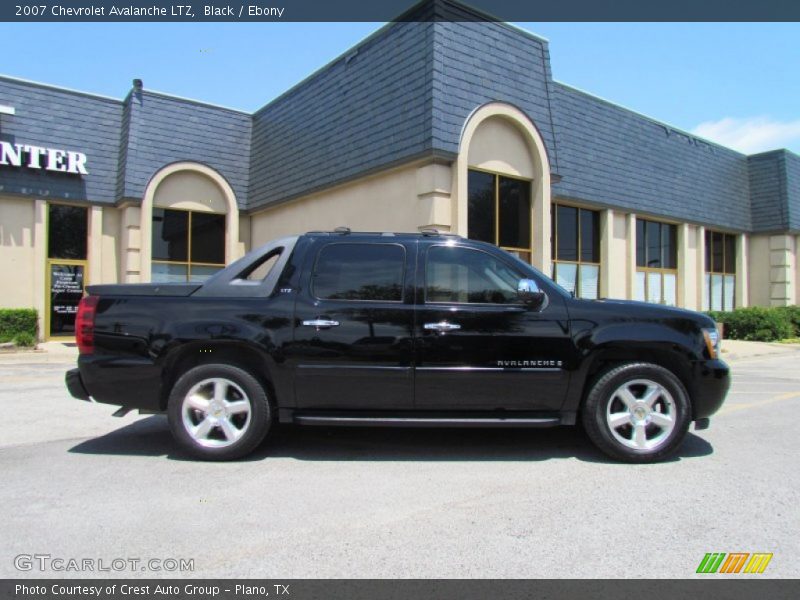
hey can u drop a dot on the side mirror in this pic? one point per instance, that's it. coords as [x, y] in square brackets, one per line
[529, 293]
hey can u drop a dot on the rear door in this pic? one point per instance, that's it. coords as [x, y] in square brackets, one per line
[353, 327]
[477, 346]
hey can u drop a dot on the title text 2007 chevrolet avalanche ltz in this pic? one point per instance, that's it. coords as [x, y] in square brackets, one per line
[382, 329]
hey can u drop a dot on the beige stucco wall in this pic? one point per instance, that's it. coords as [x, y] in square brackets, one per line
[497, 145]
[110, 264]
[390, 201]
[17, 256]
[188, 190]
[758, 268]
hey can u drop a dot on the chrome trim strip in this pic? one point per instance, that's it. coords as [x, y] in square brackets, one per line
[494, 369]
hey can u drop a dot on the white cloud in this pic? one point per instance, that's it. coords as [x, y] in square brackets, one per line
[751, 135]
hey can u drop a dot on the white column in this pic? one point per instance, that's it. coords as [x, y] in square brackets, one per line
[686, 292]
[613, 258]
[742, 275]
[40, 263]
[95, 245]
[781, 272]
[701, 268]
[434, 185]
[630, 277]
[130, 246]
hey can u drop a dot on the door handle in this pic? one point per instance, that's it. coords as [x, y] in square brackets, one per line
[321, 323]
[442, 326]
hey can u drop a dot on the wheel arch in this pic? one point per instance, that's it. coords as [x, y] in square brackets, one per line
[235, 353]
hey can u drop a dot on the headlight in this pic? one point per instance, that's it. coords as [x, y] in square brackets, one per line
[712, 342]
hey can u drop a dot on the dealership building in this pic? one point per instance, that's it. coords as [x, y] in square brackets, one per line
[427, 123]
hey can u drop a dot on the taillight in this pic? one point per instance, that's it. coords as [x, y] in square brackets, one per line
[84, 324]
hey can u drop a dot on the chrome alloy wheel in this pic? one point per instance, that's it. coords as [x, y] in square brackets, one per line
[641, 414]
[216, 412]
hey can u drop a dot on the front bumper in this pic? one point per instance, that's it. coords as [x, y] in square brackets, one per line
[75, 385]
[712, 379]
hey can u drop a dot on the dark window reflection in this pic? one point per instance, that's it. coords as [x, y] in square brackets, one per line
[359, 272]
[515, 213]
[481, 212]
[67, 231]
[208, 238]
[590, 235]
[170, 235]
[567, 228]
[465, 275]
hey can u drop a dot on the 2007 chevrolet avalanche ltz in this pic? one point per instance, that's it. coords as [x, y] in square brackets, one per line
[342, 328]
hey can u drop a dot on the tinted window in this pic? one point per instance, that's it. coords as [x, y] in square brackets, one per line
[590, 235]
[464, 275]
[515, 213]
[67, 230]
[481, 213]
[208, 238]
[170, 235]
[567, 243]
[359, 272]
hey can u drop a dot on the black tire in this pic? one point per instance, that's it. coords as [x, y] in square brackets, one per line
[241, 434]
[603, 401]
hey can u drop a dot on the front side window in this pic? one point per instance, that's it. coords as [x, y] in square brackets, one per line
[720, 262]
[467, 276]
[366, 272]
[575, 244]
[187, 245]
[499, 212]
[656, 262]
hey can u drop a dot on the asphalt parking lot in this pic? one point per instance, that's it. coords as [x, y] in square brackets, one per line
[341, 503]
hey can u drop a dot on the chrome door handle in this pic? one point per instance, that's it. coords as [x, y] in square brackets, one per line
[442, 326]
[321, 323]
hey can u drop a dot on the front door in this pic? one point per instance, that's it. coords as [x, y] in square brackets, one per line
[66, 268]
[477, 346]
[353, 326]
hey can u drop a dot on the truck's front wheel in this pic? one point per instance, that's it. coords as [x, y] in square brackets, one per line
[637, 412]
[219, 412]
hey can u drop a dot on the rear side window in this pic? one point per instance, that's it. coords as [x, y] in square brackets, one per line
[359, 272]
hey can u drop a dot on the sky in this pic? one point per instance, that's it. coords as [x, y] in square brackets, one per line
[734, 83]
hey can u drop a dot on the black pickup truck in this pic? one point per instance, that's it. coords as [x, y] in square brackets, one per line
[383, 329]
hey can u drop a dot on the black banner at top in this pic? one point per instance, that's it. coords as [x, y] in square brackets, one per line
[387, 10]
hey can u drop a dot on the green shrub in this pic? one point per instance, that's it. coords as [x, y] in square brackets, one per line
[15, 321]
[755, 324]
[792, 313]
[25, 340]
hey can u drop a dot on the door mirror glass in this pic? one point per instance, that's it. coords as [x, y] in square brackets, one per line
[528, 291]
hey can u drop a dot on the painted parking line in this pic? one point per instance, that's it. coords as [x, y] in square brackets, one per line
[737, 407]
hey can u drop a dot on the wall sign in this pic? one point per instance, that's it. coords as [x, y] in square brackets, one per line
[38, 157]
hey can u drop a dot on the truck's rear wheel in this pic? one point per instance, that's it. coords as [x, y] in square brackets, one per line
[637, 412]
[219, 412]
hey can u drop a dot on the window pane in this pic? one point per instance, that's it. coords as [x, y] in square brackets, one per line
[208, 238]
[669, 246]
[670, 289]
[454, 274]
[718, 249]
[590, 235]
[166, 273]
[716, 292]
[707, 293]
[709, 246]
[567, 233]
[515, 213]
[66, 291]
[567, 276]
[641, 245]
[590, 278]
[481, 211]
[653, 239]
[730, 254]
[639, 292]
[170, 235]
[67, 231]
[359, 272]
[201, 273]
[729, 285]
[654, 287]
